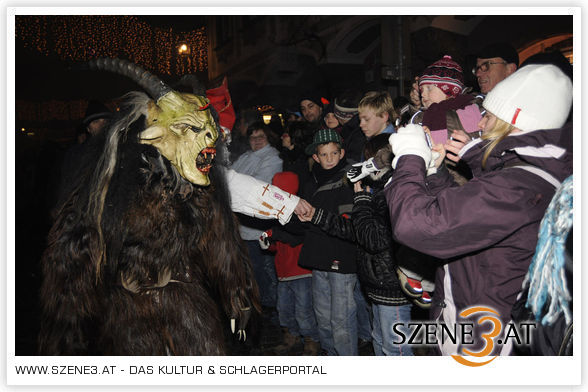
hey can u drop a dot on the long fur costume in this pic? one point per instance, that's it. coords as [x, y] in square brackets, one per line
[129, 225]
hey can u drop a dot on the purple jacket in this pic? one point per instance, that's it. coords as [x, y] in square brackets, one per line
[486, 230]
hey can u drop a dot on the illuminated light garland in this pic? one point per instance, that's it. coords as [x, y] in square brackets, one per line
[54, 110]
[84, 37]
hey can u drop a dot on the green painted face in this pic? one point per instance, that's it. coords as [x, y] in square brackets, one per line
[182, 128]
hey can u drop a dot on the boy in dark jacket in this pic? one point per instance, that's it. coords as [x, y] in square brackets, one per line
[331, 259]
[376, 254]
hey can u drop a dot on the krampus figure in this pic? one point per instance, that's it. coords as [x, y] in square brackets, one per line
[145, 257]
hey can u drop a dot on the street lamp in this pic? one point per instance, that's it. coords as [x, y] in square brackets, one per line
[183, 48]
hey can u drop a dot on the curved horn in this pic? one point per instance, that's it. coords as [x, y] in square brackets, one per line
[151, 83]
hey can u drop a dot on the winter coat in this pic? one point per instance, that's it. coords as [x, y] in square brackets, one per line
[486, 230]
[328, 190]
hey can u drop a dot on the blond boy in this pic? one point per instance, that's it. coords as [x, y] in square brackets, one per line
[376, 114]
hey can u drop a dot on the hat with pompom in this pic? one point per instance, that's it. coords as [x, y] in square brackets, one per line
[445, 74]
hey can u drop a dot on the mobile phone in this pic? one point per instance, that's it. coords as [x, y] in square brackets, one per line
[429, 141]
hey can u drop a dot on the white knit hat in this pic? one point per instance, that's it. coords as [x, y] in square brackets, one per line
[537, 96]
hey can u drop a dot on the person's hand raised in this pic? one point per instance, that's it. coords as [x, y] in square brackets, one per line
[453, 146]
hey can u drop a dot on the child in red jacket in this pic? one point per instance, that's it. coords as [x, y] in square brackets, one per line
[295, 310]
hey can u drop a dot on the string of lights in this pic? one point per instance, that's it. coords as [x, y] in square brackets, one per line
[84, 37]
[70, 110]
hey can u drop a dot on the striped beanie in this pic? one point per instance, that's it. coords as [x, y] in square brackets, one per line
[445, 74]
[343, 113]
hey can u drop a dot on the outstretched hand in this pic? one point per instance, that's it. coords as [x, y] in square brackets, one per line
[361, 170]
[304, 210]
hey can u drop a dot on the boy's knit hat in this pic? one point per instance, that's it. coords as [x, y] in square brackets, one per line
[346, 103]
[286, 181]
[537, 96]
[344, 113]
[322, 136]
[445, 74]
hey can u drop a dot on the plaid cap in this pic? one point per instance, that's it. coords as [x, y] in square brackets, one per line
[322, 136]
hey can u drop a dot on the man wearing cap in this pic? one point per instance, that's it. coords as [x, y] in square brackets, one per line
[311, 107]
[493, 64]
[97, 116]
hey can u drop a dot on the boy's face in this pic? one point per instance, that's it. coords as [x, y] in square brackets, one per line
[331, 121]
[328, 155]
[370, 123]
[431, 94]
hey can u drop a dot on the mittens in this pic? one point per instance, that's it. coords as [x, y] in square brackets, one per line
[361, 170]
[410, 140]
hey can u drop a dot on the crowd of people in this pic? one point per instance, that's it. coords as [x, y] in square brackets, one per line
[431, 201]
[435, 204]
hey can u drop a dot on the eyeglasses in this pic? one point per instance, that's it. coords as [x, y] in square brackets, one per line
[257, 138]
[485, 66]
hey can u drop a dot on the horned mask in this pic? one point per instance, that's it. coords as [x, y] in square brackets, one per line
[179, 125]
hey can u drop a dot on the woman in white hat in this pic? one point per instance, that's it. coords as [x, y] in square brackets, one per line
[485, 230]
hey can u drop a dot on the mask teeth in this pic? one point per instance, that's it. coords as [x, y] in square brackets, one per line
[209, 154]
